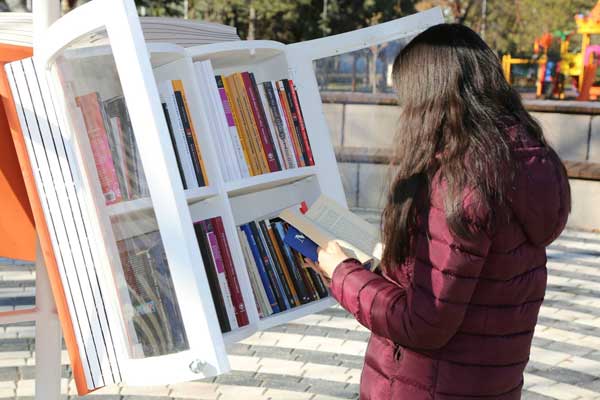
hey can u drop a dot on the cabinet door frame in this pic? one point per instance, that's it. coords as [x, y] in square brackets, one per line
[206, 355]
[363, 38]
[301, 56]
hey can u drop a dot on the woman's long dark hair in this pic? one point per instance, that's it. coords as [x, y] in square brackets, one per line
[455, 107]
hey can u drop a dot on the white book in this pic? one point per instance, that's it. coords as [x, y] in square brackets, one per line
[221, 133]
[213, 128]
[272, 130]
[229, 155]
[167, 96]
[288, 144]
[219, 267]
[253, 272]
[253, 284]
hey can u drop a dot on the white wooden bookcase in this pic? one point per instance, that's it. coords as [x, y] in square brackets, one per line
[105, 37]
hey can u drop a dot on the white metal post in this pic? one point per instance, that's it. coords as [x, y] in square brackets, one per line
[48, 339]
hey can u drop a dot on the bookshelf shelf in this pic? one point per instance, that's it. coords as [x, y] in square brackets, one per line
[239, 334]
[192, 195]
[267, 181]
[202, 193]
[295, 313]
[235, 54]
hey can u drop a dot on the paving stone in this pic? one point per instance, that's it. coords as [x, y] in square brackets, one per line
[194, 390]
[328, 388]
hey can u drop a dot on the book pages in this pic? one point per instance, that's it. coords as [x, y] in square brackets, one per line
[326, 220]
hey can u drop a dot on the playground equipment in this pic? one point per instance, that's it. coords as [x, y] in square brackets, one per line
[574, 66]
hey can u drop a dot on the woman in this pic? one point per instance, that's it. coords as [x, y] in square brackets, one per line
[477, 196]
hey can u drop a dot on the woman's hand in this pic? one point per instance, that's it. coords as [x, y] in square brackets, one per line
[329, 258]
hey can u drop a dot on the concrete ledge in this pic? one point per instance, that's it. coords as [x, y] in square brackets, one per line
[548, 106]
[367, 155]
[365, 174]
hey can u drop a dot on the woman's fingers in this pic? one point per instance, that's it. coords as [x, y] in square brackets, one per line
[317, 268]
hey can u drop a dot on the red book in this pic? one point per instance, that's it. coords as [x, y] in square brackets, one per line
[309, 154]
[290, 124]
[263, 128]
[93, 119]
[232, 280]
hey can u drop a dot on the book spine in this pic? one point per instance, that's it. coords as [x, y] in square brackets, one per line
[258, 290]
[235, 103]
[299, 281]
[117, 112]
[294, 113]
[282, 299]
[287, 292]
[267, 282]
[310, 159]
[168, 97]
[115, 149]
[272, 129]
[173, 143]
[98, 137]
[115, 127]
[235, 138]
[290, 124]
[218, 117]
[315, 277]
[213, 279]
[298, 285]
[221, 274]
[213, 118]
[261, 121]
[281, 123]
[251, 127]
[232, 278]
[280, 265]
[190, 133]
[299, 261]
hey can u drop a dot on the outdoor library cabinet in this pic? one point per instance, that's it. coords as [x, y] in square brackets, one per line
[99, 47]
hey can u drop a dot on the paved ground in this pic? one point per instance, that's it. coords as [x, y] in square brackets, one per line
[320, 356]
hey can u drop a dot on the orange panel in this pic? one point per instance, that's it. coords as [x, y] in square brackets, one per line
[22, 164]
[17, 230]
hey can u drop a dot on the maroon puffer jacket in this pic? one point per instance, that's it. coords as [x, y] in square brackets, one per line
[457, 321]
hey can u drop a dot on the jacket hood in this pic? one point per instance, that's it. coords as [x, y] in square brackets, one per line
[540, 197]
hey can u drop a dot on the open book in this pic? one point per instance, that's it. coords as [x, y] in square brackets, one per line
[326, 220]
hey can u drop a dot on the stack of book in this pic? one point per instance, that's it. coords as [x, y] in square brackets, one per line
[154, 310]
[279, 281]
[257, 127]
[183, 134]
[220, 271]
[16, 28]
[113, 147]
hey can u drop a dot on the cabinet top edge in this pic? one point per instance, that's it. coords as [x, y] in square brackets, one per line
[249, 45]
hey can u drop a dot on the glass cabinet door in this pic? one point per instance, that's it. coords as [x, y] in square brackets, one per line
[155, 292]
[357, 61]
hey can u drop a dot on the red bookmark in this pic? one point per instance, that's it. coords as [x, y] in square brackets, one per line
[303, 207]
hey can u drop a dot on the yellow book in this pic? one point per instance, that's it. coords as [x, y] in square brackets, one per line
[233, 102]
[284, 266]
[239, 101]
[252, 129]
[178, 87]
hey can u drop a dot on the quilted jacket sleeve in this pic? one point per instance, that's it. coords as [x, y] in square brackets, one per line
[426, 314]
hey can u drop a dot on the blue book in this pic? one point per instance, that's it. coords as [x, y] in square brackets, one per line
[276, 283]
[301, 243]
[261, 268]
